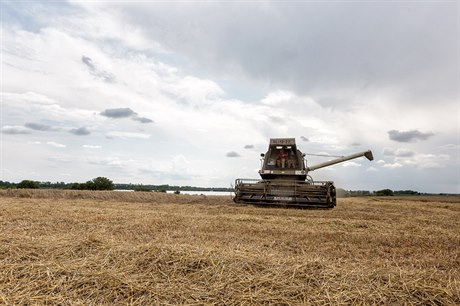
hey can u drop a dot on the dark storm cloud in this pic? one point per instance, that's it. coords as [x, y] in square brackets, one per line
[118, 113]
[142, 119]
[249, 146]
[304, 138]
[313, 47]
[408, 136]
[104, 75]
[88, 62]
[80, 131]
[39, 127]
[233, 154]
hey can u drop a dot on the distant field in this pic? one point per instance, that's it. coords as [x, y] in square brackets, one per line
[114, 248]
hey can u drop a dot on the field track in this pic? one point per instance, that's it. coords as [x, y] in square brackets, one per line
[114, 248]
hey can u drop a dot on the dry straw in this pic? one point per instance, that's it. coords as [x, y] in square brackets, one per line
[112, 248]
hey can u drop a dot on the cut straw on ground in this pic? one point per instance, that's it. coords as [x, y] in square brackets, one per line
[114, 248]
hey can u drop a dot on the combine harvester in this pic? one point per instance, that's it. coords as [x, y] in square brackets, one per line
[285, 180]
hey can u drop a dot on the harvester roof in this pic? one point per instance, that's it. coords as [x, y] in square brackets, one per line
[280, 143]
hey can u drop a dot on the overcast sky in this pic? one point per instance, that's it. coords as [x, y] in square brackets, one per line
[189, 93]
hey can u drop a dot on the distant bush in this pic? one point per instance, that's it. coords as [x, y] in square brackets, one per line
[177, 192]
[406, 192]
[384, 192]
[78, 186]
[142, 188]
[28, 184]
[5, 185]
[99, 183]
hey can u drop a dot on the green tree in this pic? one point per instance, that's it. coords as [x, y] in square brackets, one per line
[78, 186]
[142, 188]
[100, 183]
[28, 184]
[384, 192]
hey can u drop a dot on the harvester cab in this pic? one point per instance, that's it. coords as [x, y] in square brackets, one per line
[283, 161]
[285, 180]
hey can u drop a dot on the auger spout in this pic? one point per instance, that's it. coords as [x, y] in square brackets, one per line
[367, 154]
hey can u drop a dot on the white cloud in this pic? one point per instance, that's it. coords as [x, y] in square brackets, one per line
[125, 135]
[193, 90]
[112, 162]
[393, 165]
[27, 97]
[429, 161]
[277, 97]
[372, 169]
[180, 164]
[15, 130]
[407, 158]
[401, 152]
[351, 164]
[59, 159]
[30, 107]
[100, 22]
[91, 146]
[55, 144]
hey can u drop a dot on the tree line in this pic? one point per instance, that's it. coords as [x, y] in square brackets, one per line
[382, 192]
[98, 183]
[102, 183]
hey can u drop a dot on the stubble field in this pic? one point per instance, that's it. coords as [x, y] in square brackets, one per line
[111, 248]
